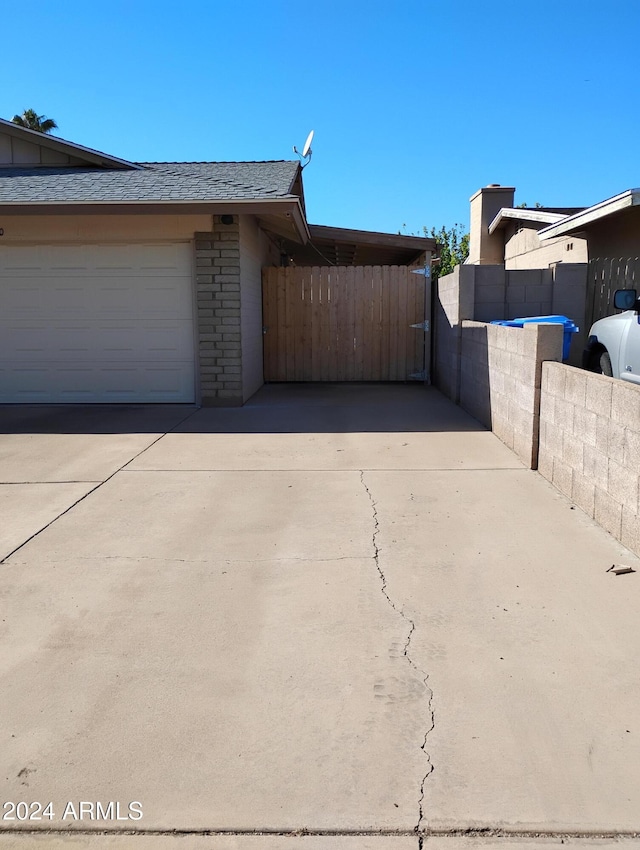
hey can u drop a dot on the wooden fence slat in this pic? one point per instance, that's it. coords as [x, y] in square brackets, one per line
[421, 315]
[350, 352]
[333, 295]
[394, 329]
[376, 325]
[403, 324]
[411, 333]
[316, 324]
[306, 327]
[324, 308]
[267, 348]
[340, 283]
[361, 302]
[283, 342]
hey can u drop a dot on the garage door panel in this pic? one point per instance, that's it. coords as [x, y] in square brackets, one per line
[90, 383]
[87, 297]
[96, 323]
[68, 341]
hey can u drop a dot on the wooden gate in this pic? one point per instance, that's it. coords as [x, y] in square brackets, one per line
[343, 323]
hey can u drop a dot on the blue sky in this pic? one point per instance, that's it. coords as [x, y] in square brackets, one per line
[415, 105]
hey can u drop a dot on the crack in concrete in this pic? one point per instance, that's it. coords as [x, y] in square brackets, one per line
[423, 674]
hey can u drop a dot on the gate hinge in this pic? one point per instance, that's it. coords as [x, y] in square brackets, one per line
[423, 326]
[419, 376]
[425, 272]
[265, 328]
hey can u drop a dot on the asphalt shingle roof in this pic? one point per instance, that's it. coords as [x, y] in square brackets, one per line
[155, 181]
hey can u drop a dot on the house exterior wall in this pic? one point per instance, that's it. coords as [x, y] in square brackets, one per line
[83, 229]
[616, 235]
[590, 446]
[524, 250]
[254, 254]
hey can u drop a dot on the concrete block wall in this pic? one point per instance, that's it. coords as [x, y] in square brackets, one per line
[500, 380]
[590, 446]
[217, 261]
[512, 293]
[453, 303]
[487, 292]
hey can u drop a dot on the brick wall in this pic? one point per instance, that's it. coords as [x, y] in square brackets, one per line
[217, 260]
[590, 446]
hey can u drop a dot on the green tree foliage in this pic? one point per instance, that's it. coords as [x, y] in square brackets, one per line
[453, 247]
[32, 121]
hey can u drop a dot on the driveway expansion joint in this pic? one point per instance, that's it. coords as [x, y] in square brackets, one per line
[98, 485]
[423, 674]
[514, 833]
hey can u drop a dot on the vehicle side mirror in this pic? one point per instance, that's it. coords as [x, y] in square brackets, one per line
[625, 299]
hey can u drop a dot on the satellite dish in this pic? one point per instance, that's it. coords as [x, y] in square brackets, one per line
[306, 150]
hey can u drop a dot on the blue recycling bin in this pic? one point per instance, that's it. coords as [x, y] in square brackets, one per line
[569, 327]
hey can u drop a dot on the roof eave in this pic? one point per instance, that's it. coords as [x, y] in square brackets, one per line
[523, 214]
[289, 207]
[579, 221]
[341, 234]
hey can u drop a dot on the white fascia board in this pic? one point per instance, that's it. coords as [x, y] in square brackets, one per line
[292, 208]
[580, 220]
[524, 214]
[146, 202]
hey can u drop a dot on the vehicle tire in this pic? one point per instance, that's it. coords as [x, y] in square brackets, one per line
[605, 364]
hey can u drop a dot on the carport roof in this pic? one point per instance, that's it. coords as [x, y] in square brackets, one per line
[152, 182]
[344, 247]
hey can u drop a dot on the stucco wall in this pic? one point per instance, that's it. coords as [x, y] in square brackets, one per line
[82, 229]
[590, 446]
[524, 250]
[254, 254]
[616, 235]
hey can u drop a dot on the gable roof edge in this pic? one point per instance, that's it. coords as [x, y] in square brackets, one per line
[573, 223]
[90, 155]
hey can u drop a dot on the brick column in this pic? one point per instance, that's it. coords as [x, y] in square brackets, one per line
[218, 304]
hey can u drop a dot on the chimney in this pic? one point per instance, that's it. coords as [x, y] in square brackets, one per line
[485, 249]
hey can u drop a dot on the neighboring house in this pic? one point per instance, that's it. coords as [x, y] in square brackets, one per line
[142, 282]
[502, 234]
[610, 228]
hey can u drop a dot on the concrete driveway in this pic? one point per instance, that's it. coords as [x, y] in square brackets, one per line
[346, 614]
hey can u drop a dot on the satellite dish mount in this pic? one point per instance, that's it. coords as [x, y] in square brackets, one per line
[306, 150]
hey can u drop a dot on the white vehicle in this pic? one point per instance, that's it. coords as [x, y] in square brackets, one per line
[613, 347]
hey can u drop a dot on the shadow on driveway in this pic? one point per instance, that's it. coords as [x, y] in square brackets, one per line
[274, 409]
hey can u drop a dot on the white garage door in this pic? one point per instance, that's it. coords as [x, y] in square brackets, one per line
[96, 323]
